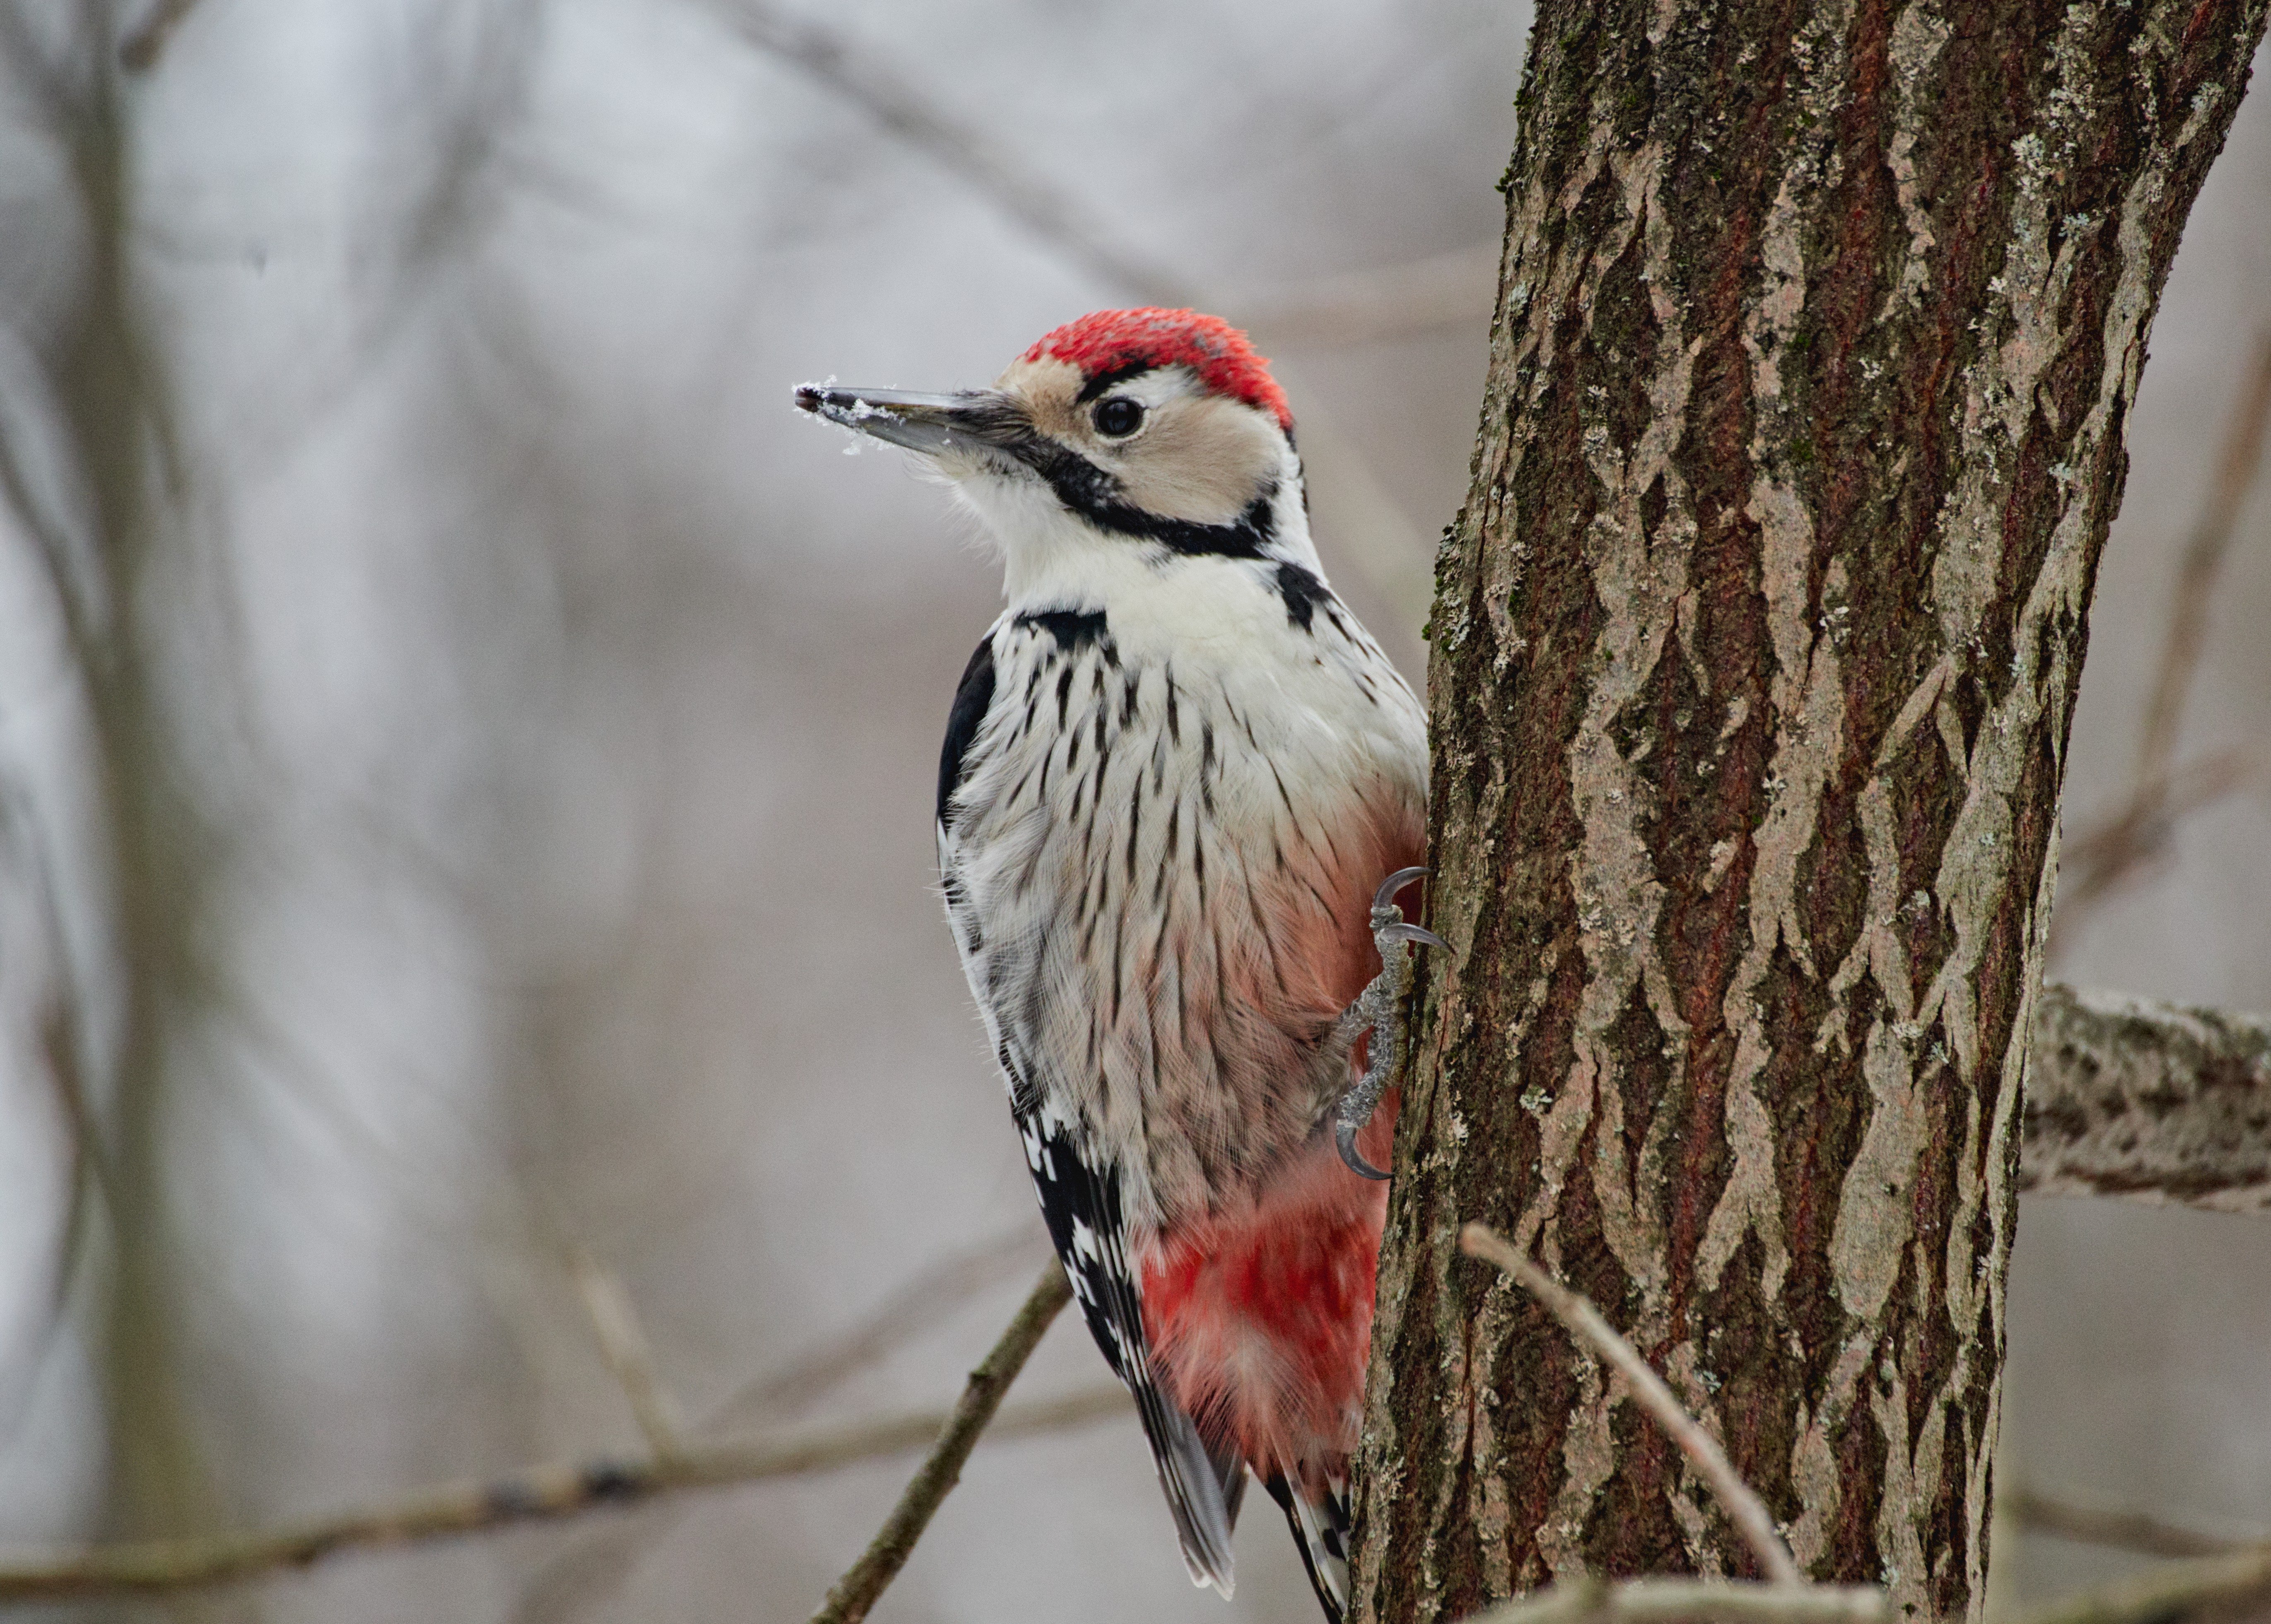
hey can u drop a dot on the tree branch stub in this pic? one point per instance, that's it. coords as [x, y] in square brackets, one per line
[2149, 1101]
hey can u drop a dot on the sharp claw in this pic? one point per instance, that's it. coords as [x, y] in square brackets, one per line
[1393, 884]
[1404, 932]
[1345, 1136]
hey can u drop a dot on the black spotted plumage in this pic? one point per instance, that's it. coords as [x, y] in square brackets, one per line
[1072, 629]
[1302, 592]
[1070, 651]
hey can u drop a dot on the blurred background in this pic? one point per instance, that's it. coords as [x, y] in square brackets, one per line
[521, 728]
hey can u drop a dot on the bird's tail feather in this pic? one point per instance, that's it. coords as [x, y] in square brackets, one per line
[1320, 1530]
[1204, 1485]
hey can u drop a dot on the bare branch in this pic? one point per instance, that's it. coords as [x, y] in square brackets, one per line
[2125, 1530]
[623, 1345]
[2212, 1586]
[915, 1307]
[536, 1494]
[1050, 213]
[1705, 1601]
[580, 1578]
[1361, 306]
[1576, 1313]
[2160, 797]
[1394, 301]
[139, 50]
[2204, 554]
[2094, 863]
[856, 1592]
[2151, 1102]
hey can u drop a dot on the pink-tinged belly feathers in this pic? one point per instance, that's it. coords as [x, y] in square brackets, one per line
[1260, 1319]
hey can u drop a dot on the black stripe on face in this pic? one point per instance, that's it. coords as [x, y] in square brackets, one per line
[1255, 528]
[1095, 494]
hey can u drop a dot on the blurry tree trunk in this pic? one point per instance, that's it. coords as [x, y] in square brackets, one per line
[106, 373]
[1754, 654]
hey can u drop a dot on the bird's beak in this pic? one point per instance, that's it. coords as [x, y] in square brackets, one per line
[972, 420]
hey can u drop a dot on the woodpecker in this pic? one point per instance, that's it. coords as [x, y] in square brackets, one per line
[1176, 773]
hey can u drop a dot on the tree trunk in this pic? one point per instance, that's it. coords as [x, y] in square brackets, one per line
[1755, 653]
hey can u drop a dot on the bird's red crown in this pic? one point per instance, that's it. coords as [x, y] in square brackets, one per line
[1210, 346]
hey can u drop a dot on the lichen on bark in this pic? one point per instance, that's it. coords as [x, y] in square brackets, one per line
[1755, 653]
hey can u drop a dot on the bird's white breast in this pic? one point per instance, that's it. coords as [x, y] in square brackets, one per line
[1167, 828]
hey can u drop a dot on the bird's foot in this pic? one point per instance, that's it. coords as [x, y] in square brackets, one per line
[1379, 1009]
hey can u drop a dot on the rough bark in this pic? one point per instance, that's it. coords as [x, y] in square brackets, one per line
[1754, 652]
[2149, 1101]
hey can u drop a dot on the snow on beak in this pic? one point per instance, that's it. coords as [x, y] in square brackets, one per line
[969, 420]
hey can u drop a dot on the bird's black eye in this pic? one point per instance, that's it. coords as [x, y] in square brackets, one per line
[1118, 417]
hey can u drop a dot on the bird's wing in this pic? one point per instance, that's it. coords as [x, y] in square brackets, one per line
[1080, 1199]
[973, 697]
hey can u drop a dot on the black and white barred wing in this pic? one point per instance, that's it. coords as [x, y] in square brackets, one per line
[1080, 1202]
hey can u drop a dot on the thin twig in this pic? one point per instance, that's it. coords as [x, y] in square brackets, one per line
[856, 1592]
[2204, 554]
[915, 1307]
[2214, 1585]
[2096, 861]
[2123, 1530]
[1576, 1313]
[1394, 301]
[578, 1579]
[1707, 1601]
[139, 50]
[535, 1493]
[623, 1345]
[1056, 216]
[2118, 847]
